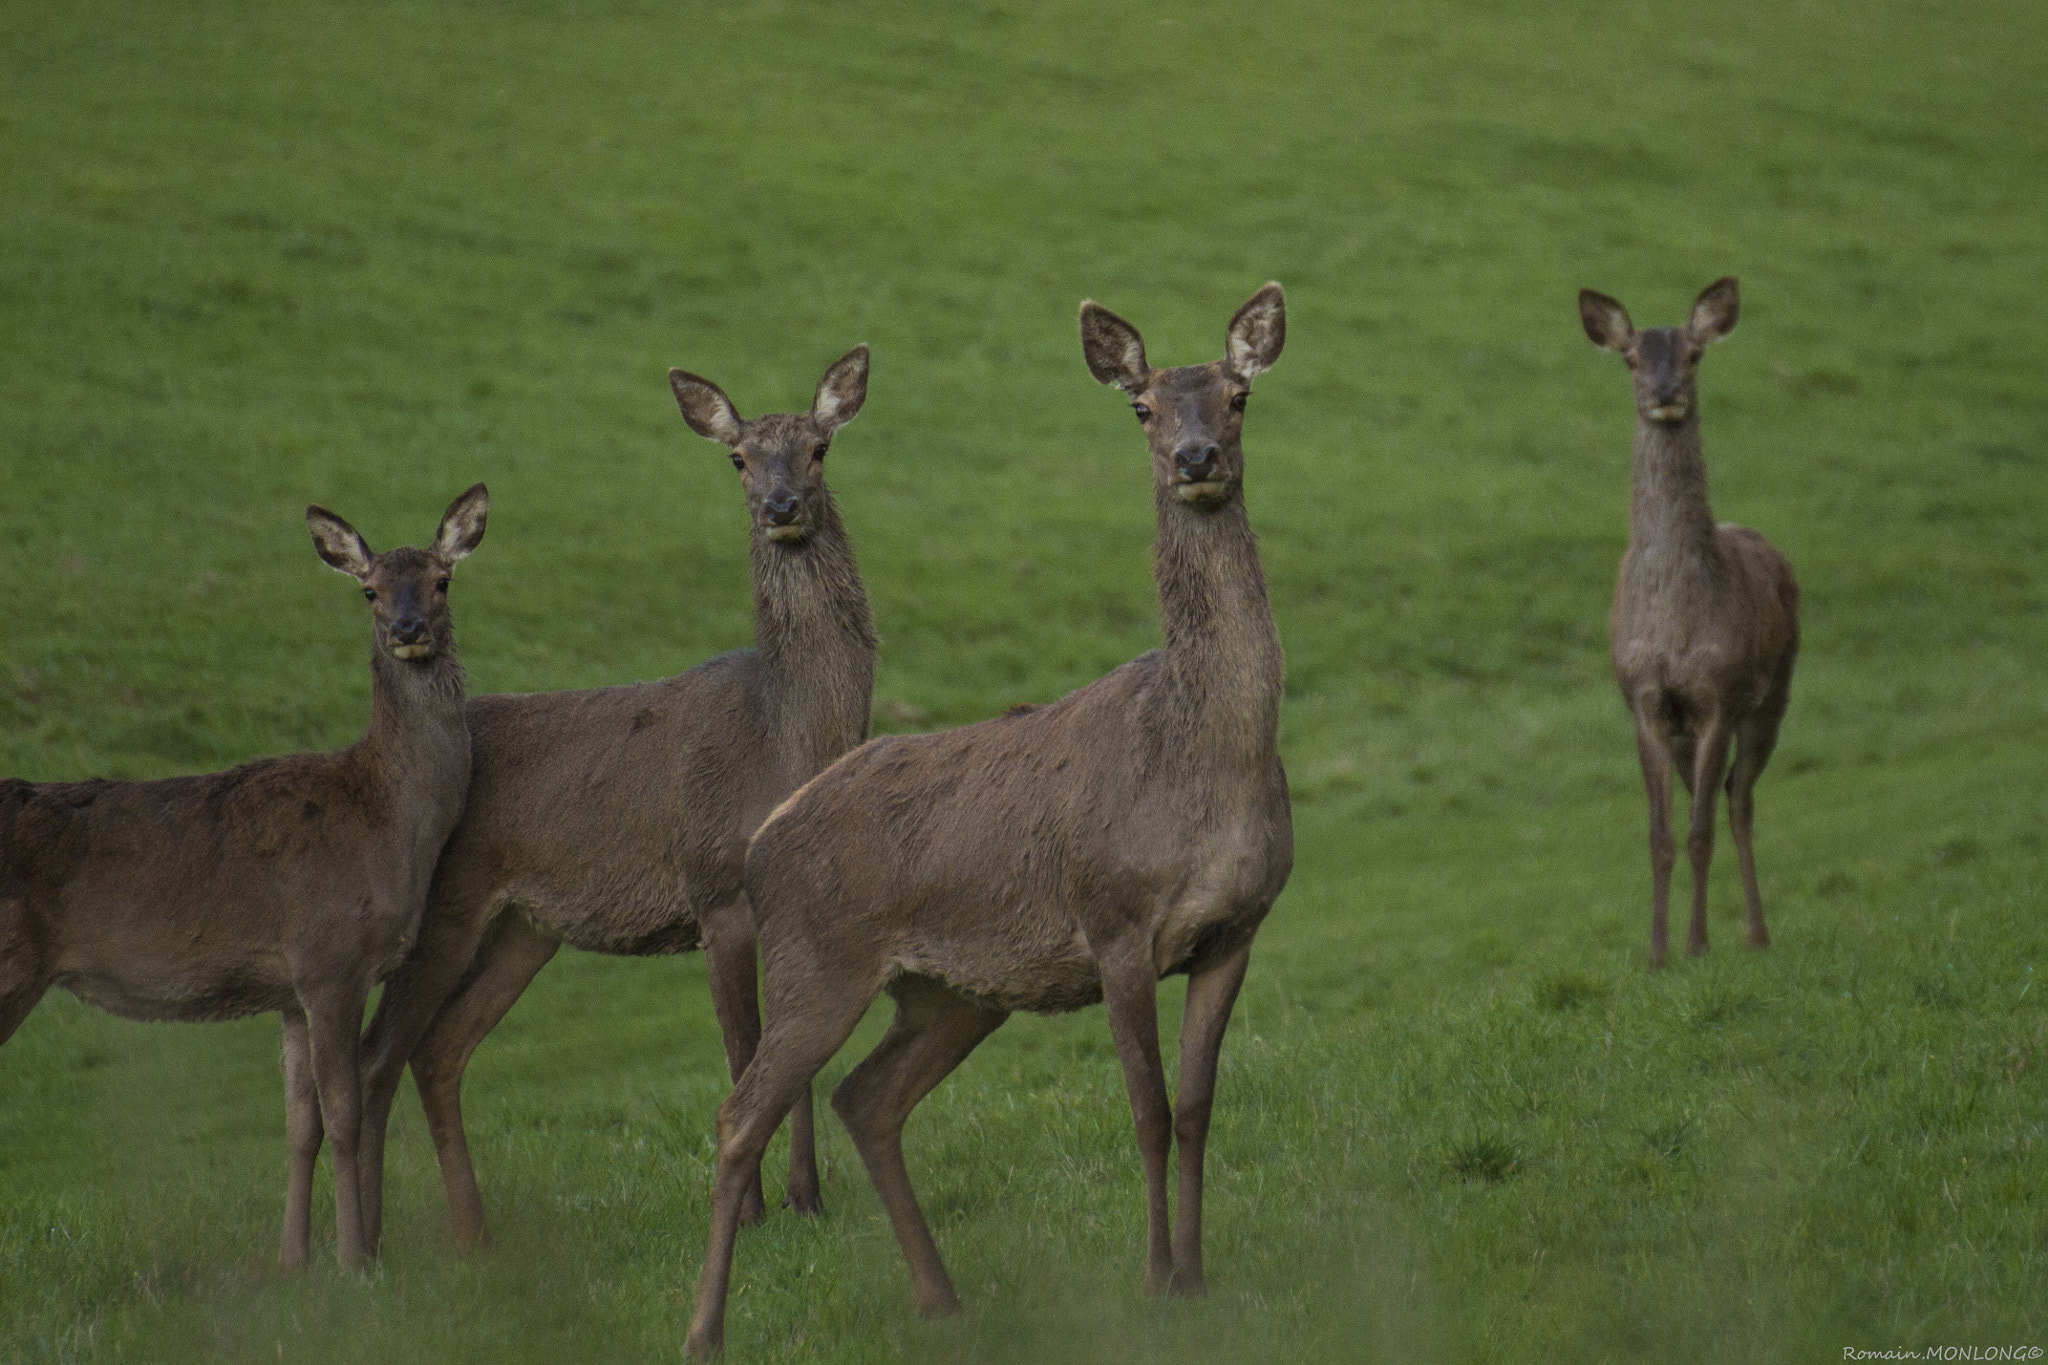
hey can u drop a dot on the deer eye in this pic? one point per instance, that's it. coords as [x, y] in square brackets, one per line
[1237, 403]
[738, 461]
[1144, 413]
[818, 451]
[369, 594]
[441, 586]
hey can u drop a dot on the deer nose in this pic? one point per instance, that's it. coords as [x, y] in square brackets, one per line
[780, 508]
[1196, 463]
[409, 630]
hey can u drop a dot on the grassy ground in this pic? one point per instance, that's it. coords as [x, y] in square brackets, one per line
[365, 254]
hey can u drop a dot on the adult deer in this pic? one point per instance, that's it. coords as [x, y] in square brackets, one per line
[1705, 624]
[616, 819]
[1054, 857]
[288, 884]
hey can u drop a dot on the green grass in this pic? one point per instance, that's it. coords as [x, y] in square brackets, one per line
[365, 254]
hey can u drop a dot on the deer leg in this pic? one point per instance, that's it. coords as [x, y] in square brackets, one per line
[411, 999]
[1752, 751]
[800, 1039]
[933, 1032]
[729, 962]
[1710, 761]
[302, 1128]
[1655, 756]
[1130, 994]
[1212, 992]
[335, 1019]
[507, 961]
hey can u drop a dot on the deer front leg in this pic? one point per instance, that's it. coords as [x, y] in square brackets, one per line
[1212, 993]
[302, 1128]
[335, 1018]
[412, 997]
[1653, 752]
[1710, 761]
[730, 964]
[1130, 994]
[511, 954]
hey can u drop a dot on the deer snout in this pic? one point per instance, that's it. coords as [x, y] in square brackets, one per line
[409, 637]
[783, 512]
[1196, 463]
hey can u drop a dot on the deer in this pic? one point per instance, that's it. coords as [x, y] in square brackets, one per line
[1046, 859]
[1705, 625]
[616, 819]
[291, 883]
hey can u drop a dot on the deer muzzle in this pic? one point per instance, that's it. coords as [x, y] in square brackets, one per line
[782, 514]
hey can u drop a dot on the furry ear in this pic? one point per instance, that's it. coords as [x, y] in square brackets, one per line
[1713, 312]
[1606, 321]
[1257, 333]
[1114, 350]
[338, 543]
[705, 407]
[841, 392]
[462, 525]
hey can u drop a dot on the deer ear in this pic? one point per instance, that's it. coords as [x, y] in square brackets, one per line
[1114, 350]
[1713, 312]
[1606, 321]
[462, 525]
[841, 392]
[1257, 333]
[338, 543]
[705, 407]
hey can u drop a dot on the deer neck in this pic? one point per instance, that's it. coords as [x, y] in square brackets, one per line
[1671, 527]
[417, 723]
[1222, 651]
[812, 629]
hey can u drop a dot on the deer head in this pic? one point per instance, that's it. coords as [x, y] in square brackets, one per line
[1193, 415]
[407, 588]
[781, 457]
[1665, 360]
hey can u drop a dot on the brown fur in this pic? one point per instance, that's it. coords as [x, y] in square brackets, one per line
[287, 884]
[616, 819]
[1046, 859]
[1705, 625]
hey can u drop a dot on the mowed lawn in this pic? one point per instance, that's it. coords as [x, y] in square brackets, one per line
[259, 255]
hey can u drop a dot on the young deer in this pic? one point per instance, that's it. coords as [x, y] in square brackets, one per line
[617, 819]
[1045, 860]
[1706, 618]
[287, 884]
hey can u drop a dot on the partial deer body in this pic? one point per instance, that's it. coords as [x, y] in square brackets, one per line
[1705, 625]
[1045, 860]
[289, 884]
[616, 819]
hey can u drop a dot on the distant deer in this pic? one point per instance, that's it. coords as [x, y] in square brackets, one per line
[617, 819]
[287, 884]
[1706, 618]
[1047, 859]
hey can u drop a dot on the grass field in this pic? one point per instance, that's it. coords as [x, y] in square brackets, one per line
[256, 255]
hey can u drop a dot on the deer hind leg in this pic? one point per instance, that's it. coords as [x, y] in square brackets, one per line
[1212, 992]
[1754, 742]
[1130, 995]
[804, 1030]
[506, 963]
[730, 964]
[334, 1022]
[302, 1128]
[1710, 761]
[412, 997]
[933, 1032]
[24, 967]
[1654, 753]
